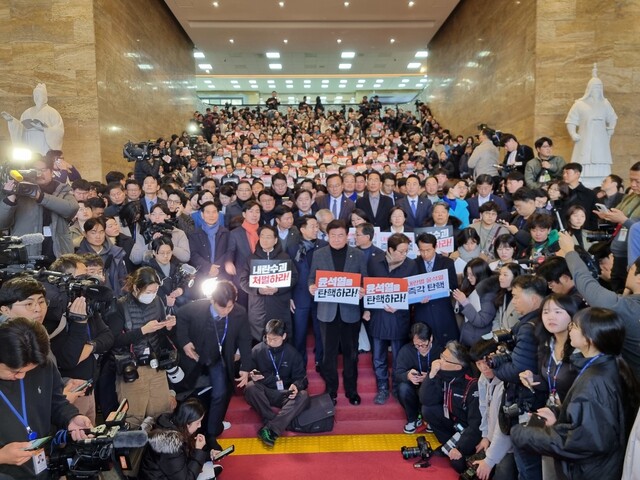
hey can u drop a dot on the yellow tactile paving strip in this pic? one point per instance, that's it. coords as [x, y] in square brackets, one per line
[328, 443]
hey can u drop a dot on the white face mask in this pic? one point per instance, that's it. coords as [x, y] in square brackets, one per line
[147, 298]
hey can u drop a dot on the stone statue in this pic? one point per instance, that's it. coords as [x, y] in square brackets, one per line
[40, 127]
[590, 123]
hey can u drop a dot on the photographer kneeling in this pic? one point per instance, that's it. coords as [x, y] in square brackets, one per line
[140, 325]
[450, 405]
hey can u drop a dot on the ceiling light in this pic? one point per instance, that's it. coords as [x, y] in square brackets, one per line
[344, 66]
[273, 55]
[252, 81]
[289, 86]
[216, 4]
[484, 53]
[324, 86]
[472, 64]
[348, 54]
[421, 85]
[207, 71]
[323, 98]
[286, 41]
[281, 4]
[339, 40]
[379, 80]
[231, 40]
[275, 66]
[404, 80]
[413, 65]
[234, 82]
[377, 85]
[307, 86]
[361, 81]
[346, 4]
[325, 81]
[198, 55]
[288, 81]
[393, 40]
[236, 86]
[291, 98]
[422, 54]
[339, 97]
[205, 66]
[343, 81]
[212, 86]
[208, 81]
[145, 66]
[254, 86]
[403, 85]
[411, 4]
[342, 86]
[307, 81]
[360, 85]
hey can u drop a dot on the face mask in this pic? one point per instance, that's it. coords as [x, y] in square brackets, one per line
[147, 298]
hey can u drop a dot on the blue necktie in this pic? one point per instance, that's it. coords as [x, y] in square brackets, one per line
[414, 208]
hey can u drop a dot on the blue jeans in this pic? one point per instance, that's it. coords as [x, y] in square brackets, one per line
[380, 363]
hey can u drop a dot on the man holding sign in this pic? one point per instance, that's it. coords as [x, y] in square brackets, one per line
[384, 298]
[339, 314]
[437, 313]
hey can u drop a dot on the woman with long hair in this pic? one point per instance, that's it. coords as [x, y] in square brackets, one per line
[506, 316]
[587, 434]
[175, 449]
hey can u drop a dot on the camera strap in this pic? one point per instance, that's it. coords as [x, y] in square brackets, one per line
[31, 435]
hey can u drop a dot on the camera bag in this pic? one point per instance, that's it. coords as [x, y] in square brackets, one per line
[317, 418]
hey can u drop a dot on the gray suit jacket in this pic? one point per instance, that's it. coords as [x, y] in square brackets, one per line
[355, 263]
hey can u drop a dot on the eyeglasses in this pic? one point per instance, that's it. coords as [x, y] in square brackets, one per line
[444, 359]
[421, 345]
[30, 305]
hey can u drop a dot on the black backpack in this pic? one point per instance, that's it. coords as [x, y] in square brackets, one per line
[317, 418]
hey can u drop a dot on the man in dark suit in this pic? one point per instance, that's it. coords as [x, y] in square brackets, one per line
[364, 241]
[302, 303]
[339, 205]
[389, 188]
[415, 207]
[580, 195]
[150, 188]
[210, 331]
[339, 322]
[209, 261]
[229, 176]
[287, 233]
[374, 204]
[484, 186]
[438, 314]
[517, 155]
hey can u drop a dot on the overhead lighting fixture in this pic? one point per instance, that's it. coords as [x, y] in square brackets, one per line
[212, 86]
[216, 4]
[472, 64]
[362, 80]
[205, 66]
[342, 86]
[234, 82]
[307, 81]
[377, 85]
[307, 86]
[288, 81]
[145, 66]
[346, 4]
[422, 54]
[291, 98]
[273, 55]
[413, 65]
[275, 66]
[252, 82]
[404, 80]
[421, 85]
[289, 85]
[198, 55]
[231, 40]
[325, 81]
[360, 85]
[411, 4]
[324, 86]
[393, 40]
[208, 81]
[343, 81]
[339, 40]
[281, 4]
[339, 97]
[379, 80]
[236, 86]
[484, 53]
[344, 66]
[254, 86]
[348, 54]
[285, 40]
[323, 98]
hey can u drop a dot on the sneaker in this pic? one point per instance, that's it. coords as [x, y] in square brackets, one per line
[217, 470]
[411, 427]
[428, 429]
[226, 425]
[381, 397]
[267, 436]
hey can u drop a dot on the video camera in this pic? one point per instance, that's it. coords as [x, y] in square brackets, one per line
[185, 277]
[110, 445]
[90, 288]
[506, 342]
[423, 452]
[25, 181]
[136, 152]
[149, 229]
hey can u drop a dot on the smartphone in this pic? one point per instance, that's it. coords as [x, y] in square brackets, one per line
[224, 453]
[602, 208]
[255, 372]
[536, 420]
[81, 387]
[38, 443]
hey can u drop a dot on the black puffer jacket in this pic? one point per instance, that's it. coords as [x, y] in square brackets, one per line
[165, 458]
[588, 440]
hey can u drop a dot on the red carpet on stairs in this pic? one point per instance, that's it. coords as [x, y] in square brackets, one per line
[366, 418]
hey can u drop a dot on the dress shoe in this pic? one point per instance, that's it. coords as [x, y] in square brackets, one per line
[381, 397]
[354, 399]
[267, 436]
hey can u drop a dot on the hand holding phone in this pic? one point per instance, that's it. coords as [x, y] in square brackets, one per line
[38, 443]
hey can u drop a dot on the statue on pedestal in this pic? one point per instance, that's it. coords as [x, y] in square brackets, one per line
[40, 127]
[590, 123]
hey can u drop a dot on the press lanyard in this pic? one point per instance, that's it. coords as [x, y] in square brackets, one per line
[224, 335]
[552, 388]
[23, 418]
[420, 362]
[589, 364]
[273, 361]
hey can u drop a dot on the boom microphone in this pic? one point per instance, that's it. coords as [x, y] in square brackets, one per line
[31, 239]
[16, 175]
[121, 440]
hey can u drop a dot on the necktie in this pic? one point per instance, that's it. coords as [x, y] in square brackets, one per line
[414, 209]
[334, 208]
[429, 267]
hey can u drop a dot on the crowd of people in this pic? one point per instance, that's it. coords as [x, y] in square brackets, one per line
[525, 369]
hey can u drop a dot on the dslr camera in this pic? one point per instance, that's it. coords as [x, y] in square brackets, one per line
[470, 472]
[422, 452]
[506, 342]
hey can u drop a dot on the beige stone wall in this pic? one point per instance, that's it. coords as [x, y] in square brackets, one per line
[137, 104]
[87, 53]
[540, 60]
[481, 68]
[51, 41]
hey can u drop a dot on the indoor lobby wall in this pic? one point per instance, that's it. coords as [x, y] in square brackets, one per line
[140, 104]
[51, 41]
[481, 68]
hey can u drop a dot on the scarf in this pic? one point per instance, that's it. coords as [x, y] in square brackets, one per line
[468, 256]
[450, 201]
[252, 234]
[211, 231]
[392, 265]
